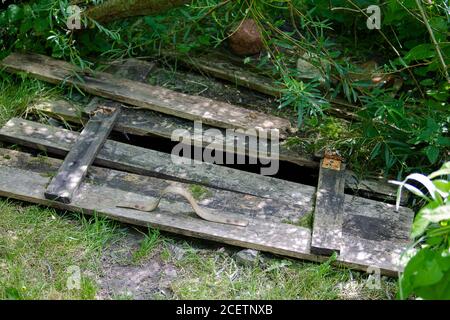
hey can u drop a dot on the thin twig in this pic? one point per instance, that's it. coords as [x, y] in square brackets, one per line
[433, 39]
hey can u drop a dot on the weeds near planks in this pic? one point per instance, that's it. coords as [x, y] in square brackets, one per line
[148, 245]
[37, 248]
[215, 275]
[16, 96]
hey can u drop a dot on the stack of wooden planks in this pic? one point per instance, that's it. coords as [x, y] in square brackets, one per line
[369, 234]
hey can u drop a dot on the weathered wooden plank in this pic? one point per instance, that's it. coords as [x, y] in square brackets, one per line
[144, 161]
[328, 211]
[222, 66]
[275, 210]
[218, 67]
[93, 198]
[146, 122]
[375, 188]
[142, 95]
[83, 153]
[131, 68]
[16, 177]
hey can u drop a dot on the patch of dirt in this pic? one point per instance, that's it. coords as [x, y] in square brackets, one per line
[120, 278]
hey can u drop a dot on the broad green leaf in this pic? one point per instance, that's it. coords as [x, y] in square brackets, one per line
[15, 13]
[419, 226]
[436, 214]
[438, 291]
[440, 28]
[443, 141]
[442, 185]
[423, 269]
[432, 153]
[420, 52]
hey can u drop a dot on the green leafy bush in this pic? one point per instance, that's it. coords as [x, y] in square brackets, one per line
[427, 273]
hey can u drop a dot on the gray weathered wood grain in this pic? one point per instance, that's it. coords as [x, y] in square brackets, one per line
[131, 68]
[83, 153]
[144, 161]
[328, 211]
[275, 210]
[19, 181]
[150, 123]
[153, 163]
[225, 67]
[145, 96]
[145, 122]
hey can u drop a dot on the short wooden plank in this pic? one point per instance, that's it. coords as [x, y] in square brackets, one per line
[83, 153]
[328, 211]
[142, 95]
[175, 216]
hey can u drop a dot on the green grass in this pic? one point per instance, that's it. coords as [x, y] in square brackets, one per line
[17, 96]
[150, 242]
[215, 275]
[39, 249]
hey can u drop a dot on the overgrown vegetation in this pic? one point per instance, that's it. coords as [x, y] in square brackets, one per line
[427, 274]
[396, 76]
[394, 81]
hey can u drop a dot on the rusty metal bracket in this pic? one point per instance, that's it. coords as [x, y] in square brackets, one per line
[332, 160]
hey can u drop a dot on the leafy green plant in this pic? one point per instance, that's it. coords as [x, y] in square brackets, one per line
[427, 273]
[41, 26]
[305, 98]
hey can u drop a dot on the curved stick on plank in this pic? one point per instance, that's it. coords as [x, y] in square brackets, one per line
[201, 212]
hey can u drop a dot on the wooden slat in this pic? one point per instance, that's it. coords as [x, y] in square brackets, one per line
[83, 153]
[259, 234]
[22, 179]
[146, 122]
[275, 210]
[328, 211]
[141, 95]
[218, 67]
[223, 66]
[131, 69]
[144, 161]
